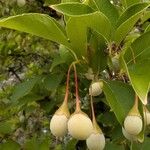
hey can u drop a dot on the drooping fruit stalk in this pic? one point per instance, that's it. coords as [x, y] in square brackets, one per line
[58, 123]
[95, 88]
[96, 141]
[79, 124]
[133, 122]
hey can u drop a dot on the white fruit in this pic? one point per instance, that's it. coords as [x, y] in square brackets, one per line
[95, 89]
[129, 136]
[133, 124]
[58, 125]
[96, 141]
[80, 126]
[21, 3]
[147, 117]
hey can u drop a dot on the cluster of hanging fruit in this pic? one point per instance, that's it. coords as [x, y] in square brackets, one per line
[78, 124]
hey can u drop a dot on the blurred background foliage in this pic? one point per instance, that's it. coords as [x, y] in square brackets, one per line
[26, 106]
[32, 86]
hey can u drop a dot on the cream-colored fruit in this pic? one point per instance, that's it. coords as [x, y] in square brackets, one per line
[80, 126]
[129, 136]
[96, 141]
[95, 89]
[133, 124]
[58, 125]
[21, 3]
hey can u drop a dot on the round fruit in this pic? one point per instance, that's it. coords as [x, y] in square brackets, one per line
[133, 124]
[58, 125]
[96, 141]
[21, 3]
[80, 126]
[95, 89]
[129, 136]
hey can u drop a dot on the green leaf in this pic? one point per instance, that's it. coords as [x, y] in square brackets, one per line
[77, 29]
[52, 81]
[58, 60]
[147, 29]
[37, 24]
[127, 3]
[107, 119]
[71, 144]
[51, 2]
[72, 8]
[120, 97]
[96, 55]
[141, 146]
[23, 88]
[37, 144]
[107, 9]
[10, 145]
[29, 98]
[113, 146]
[66, 54]
[128, 19]
[145, 17]
[90, 3]
[145, 145]
[135, 57]
[7, 127]
[66, 18]
[66, 1]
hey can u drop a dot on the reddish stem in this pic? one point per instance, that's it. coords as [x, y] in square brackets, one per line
[76, 86]
[67, 85]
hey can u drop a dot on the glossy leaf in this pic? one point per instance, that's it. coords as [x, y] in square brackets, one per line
[37, 24]
[108, 9]
[120, 97]
[77, 29]
[128, 19]
[135, 57]
[72, 8]
[127, 3]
